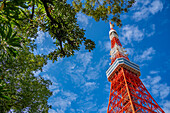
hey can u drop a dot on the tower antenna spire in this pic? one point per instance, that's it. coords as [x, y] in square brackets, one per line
[111, 25]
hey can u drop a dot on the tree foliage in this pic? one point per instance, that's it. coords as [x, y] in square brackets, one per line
[56, 17]
[27, 92]
[59, 19]
[102, 9]
[20, 20]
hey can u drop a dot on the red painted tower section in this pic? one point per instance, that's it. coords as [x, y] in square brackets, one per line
[127, 92]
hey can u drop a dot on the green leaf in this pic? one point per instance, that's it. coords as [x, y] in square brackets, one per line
[9, 32]
[5, 97]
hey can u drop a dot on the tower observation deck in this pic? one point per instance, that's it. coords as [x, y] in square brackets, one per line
[127, 92]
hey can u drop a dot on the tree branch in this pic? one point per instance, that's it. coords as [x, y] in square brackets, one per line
[46, 9]
[33, 9]
[53, 21]
[61, 46]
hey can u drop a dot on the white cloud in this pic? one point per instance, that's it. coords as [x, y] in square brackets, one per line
[130, 51]
[102, 63]
[45, 50]
[55, 85]
[107, 45]
[157, 88]
[77, 77]
[50, 65]
[41, 37]
[52, 111]
[166, 106]
[152, 27]
[154, 72]
[155, 80]
[70, 95]
[83, 19]
[84, 58]
[142, 14]
[156, 6]
[103, 109]
[93, 72]
[131, 33]
[44, 43]
[89, 86]
[145, 8]
[62, 103]
[81, 70]
[146, 55]
[87, 107]
[47, 67]
[107, 87]
[37, 73]
[76, 68]
[70, 67]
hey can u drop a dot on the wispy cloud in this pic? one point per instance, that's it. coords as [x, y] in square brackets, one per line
[81, 69]
[103, 109]
[89, 106]
[83, 19]
[94, 72]
[166, 106]
[62, 103]
[36, 73]
[89, 86]
[157, 88]
[75, 72]
[52, 111]
[107, 45]
[152, 29]
[84, 58]
[46, 67]
[145, 8]
[131, 33]
[156, 6]
[76, 68]
[146, 55]
[154, 72]
[107, 88]
[44, 43]
[55, 85]
[41, 37]
[130, 51]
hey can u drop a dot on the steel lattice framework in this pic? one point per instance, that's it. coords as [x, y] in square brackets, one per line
[127, 92]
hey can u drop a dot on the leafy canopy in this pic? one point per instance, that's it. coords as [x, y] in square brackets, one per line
[20, 20]
[102, 9]
[27, 93]
[59, 19]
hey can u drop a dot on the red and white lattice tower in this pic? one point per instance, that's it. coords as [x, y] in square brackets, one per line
[127, 92]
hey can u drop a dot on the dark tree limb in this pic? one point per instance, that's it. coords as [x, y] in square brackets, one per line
[61, 46]
[46, 9]
[53, 21]
[24, 13]
[33, 9]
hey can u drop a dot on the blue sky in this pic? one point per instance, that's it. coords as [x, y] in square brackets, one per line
[80, 84]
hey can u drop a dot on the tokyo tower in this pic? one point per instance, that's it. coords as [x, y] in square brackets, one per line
[127, 92]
